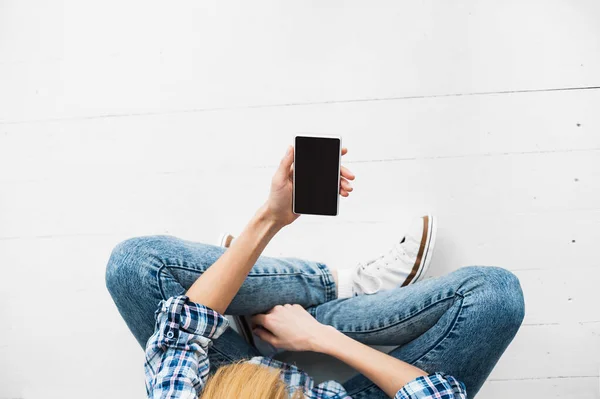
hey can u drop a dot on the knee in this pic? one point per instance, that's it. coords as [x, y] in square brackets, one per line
[498, 295]
[129, 264]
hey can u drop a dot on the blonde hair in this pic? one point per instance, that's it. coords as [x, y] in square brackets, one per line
[247, 381]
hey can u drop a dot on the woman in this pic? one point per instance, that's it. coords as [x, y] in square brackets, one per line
[450, 331]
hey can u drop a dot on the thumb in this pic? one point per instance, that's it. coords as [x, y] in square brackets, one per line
[266, 336]
[286, 162]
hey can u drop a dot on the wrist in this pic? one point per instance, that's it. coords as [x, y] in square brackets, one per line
[265, 217]
[266, 213]
[325, 340]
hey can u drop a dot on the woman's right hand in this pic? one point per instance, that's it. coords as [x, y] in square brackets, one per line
[292, 328]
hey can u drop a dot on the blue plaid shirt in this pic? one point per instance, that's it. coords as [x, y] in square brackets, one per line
[177, 361]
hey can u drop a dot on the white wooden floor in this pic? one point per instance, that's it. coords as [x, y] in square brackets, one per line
[123, 118]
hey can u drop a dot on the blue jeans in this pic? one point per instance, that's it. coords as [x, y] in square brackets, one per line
[459, 324]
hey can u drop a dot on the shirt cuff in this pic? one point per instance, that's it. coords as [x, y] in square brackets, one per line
[178, 318]
[435, 385]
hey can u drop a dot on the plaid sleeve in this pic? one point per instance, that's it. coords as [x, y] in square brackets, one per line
[328, 390]
[435, 386]
[176, 363]
[293, 377]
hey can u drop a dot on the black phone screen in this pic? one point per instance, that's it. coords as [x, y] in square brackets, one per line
[316, 175]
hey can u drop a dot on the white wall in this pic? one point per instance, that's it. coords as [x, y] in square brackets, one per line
[140, 117]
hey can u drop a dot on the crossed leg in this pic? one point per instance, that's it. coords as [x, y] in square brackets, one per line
[459, 324]
[143, 271]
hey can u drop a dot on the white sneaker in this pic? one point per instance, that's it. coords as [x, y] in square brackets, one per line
[406, 263]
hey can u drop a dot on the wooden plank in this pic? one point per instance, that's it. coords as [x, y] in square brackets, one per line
[118, 357]
[518, 242]
[565, 388]
[398, 130]
[238, 54]
[560, 350]
[553, 297]
[468, 187]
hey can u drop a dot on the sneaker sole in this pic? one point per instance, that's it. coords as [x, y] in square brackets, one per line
[429, 249]
[426, 256]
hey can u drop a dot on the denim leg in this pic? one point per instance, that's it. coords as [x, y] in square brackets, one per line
[143, 271]
[459, 324]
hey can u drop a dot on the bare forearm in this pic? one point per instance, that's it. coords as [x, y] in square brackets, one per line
[388, 373]
[217, 287]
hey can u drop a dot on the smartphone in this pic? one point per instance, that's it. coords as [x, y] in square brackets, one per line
[316, 175]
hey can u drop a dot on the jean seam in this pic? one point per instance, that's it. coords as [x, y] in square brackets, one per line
[269, 274]
[452, 326]
[159, 282]
[462, 296]
[401, 320]
[454, 322]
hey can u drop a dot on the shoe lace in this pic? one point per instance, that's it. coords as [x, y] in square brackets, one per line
[365, 271]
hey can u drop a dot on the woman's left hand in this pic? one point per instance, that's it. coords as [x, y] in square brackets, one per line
[279, 204]
[290, 327]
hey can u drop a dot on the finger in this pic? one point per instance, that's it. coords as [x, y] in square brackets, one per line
[344, 150]
[258, 320]
[345, 172]
[297, 309]
[266, 336]
[344, 193]
[345, 185]
[287, 306]
[275, 308]
[286, 162]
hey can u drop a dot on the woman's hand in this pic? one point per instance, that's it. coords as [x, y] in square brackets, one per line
[279, 204]
[290, 327]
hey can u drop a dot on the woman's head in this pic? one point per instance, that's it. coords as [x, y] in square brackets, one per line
[246, 381]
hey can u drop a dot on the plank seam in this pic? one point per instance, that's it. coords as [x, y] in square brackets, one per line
[558, 377]
[308, 103]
